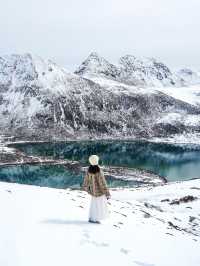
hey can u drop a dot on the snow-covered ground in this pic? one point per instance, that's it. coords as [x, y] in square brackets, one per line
[43, 226]
[3, 147]
[185, 138]
[188, 94]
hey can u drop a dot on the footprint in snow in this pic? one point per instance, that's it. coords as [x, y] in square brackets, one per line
[80, 206]
[140, 263]
[86, 240]
[125, 251]
[81, 197]
[116, 226]
[86, 234]
[169, 234]
[121, 213]
[99, 244]
[177, 219]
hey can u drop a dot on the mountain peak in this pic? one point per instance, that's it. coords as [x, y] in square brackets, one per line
[136, 63]
[132, 70]
[94, 55]
[136, 71]
[97, 65]
[146, 71]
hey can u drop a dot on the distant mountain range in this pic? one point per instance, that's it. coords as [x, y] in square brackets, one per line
[137, 72]
[137, 98]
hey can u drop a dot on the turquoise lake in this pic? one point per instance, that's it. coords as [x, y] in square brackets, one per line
[175, 162]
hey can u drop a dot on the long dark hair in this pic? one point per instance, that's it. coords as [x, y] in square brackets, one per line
[93, 169]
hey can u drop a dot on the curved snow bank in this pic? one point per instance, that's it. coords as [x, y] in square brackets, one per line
[3, 148]
[185, 138]
[42, 226]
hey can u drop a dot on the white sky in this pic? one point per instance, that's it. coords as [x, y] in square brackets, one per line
[68, 30]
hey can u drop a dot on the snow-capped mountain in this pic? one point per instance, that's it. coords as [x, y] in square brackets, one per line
[146, 72]
[38, 99]
[131, 70]
[96, 65]
[189, 76]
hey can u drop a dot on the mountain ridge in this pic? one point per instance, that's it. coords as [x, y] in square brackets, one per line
[136, 71]
[40, 100]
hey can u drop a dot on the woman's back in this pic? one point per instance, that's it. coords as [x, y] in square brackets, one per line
[95, 183]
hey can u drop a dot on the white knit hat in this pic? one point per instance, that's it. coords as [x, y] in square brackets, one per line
[94, 159]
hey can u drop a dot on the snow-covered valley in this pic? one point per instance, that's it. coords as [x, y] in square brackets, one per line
[146, 227]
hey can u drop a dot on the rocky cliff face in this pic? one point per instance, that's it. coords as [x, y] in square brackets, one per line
[146, 72]
[39, 100]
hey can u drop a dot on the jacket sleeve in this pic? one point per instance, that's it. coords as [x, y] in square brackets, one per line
[104, 186]
[85, 183]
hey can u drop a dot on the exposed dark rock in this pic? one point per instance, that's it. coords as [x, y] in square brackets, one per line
[174, 226]
[165, 200]
[169, 234]
[198, 188]
[185, 199]
[146, 214]
[151, 206]
[191, 219]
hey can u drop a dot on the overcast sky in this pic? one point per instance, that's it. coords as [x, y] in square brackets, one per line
[68, 30]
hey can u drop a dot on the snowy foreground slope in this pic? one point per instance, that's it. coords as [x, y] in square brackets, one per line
[43, 226]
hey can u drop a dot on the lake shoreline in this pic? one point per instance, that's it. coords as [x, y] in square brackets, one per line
[15, 157]
[175, 139]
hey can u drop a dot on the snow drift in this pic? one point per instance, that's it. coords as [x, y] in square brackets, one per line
[43, 226]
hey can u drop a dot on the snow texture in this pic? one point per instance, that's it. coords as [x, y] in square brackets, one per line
[43, 226]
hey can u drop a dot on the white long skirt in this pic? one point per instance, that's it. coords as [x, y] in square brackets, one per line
[98, 208]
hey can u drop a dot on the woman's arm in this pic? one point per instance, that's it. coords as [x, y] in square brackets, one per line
[85, 183]
[104, 186]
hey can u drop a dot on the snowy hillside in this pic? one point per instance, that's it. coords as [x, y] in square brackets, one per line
[147, 227]
[39, 100]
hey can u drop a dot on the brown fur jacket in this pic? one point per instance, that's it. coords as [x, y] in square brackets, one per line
[95, 184]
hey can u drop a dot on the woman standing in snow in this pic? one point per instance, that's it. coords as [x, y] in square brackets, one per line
[95, 184]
